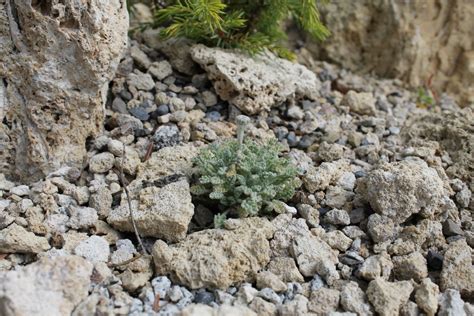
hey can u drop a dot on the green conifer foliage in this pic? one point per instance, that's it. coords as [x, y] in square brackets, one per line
[250, 25]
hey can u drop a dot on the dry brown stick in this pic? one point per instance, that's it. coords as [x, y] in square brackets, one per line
[113, 265]
[129, 201]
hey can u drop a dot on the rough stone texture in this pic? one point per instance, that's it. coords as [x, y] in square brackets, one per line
[223, 310]
[15, 238]
[217, 258]
[314, 255]
[57, 59]
[458, 270]
[286, 269]
[376, 266]
[353, 299]
[255, 84]
[360, 103]
[450, 304]
[95, 249]
[454, 132]
[168, 161]
[50, 286]
[319, 178]
[412, 266]
[323, 301]
[388, 297]
[410, 40]
[427, 297]
[159, 212]
[401, 189]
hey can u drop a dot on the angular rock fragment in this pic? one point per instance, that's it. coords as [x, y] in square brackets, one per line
[158, 212]
[15, 238]
[388, 297]
[458, 270]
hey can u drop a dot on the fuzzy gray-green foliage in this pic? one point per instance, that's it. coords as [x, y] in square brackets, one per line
[249, 178]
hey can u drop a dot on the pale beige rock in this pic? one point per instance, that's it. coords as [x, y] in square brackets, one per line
[268, 279]
[15, 239]
[50, 286]
[353, 299]
[324, 301]
[337, 240]
[360, 103]
[262, 307]
[168, 161]
[426, 297]
[401, 189]
[376, 266]
[412, 40]
[388, 297]
[158, 212]
[57, 59]
[217, 258]
[285, 268]
[319, 178]
[255, 84]
[458, 270]
[314, 256]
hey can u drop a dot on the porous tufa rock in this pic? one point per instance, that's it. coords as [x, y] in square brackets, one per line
[57, 59]
[255, 84]
[217, 258]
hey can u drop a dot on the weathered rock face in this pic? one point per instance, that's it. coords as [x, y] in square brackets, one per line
[255, 84]
[56, 59]
[47, 287]
[217, 258]
[454, 132]
[410, 40]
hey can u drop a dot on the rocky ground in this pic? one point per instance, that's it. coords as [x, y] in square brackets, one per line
[383, 223]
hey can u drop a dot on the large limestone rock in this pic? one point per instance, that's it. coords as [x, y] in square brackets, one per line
[410, 40]
[56, 59]
[51, 286]
[255, 84]
[160, 196]
[217, 258]
[401, 189]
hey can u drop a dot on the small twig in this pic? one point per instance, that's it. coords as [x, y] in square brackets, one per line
[114, 265]
[149, 150]
[127, 193]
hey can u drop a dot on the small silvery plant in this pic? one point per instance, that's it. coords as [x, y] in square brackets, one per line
[245, 178]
